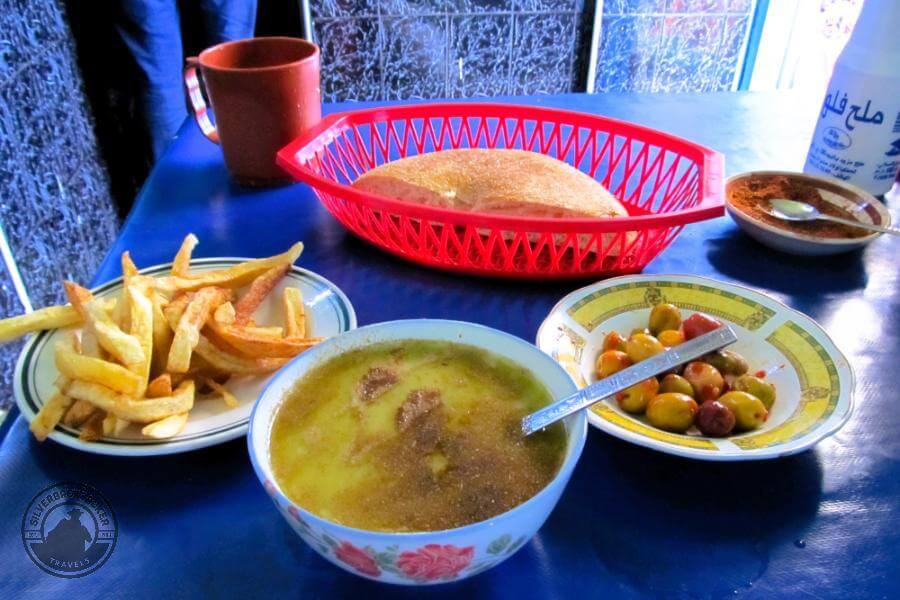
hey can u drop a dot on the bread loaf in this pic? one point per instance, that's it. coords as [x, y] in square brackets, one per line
[507, 182]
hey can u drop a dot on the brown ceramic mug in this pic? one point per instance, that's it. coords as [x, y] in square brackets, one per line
[264, 93]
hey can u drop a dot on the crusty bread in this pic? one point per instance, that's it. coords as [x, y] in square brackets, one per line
[508, 182]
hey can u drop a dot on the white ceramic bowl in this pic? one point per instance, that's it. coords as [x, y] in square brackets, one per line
[433, 556]
[813, 379]
[864, 206]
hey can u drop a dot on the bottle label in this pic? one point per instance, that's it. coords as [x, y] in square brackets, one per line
[857, 137]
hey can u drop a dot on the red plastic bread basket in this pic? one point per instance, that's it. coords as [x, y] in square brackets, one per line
[664, 181]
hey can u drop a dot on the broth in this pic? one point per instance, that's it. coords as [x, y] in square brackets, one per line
[413, 435]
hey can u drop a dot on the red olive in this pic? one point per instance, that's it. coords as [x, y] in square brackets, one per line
[698, 324]
[715, 419]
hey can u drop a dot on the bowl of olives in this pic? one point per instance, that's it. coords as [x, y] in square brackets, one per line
[715, 393]
[781, 388]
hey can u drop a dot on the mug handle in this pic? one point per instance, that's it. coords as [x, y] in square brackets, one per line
[195, 94]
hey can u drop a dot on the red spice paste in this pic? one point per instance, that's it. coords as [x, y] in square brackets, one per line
[751, 196]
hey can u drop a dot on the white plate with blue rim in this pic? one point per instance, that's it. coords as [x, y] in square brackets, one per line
[329, 313]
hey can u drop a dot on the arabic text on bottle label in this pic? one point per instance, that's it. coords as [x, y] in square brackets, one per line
[857, 136]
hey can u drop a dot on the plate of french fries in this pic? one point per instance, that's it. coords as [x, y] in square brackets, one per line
[169, 358]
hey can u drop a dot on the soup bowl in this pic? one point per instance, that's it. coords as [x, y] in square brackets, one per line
[427, 557]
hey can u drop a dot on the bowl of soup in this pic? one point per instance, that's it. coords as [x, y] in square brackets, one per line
[395, 450]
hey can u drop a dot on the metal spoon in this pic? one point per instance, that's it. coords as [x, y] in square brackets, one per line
[791, 210]
[662, 362]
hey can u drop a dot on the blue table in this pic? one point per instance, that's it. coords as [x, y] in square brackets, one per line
[632, 523]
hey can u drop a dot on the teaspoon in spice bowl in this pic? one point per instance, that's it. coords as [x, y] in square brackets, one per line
[792, 210]
[747, 202]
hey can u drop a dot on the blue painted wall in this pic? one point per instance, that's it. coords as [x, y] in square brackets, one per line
[55, 207]
[671, 45]
[395, 49]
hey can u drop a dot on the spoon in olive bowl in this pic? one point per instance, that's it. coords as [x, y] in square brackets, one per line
[791, 210]
[606, 387]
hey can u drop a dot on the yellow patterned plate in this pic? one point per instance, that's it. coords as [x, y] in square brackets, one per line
[813, 379]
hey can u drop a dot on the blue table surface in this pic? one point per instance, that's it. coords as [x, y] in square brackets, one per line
[632, 522]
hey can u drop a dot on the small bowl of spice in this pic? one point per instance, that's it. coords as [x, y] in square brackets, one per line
[747, 201]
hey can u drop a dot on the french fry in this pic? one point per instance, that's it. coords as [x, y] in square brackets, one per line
[177, 378]
[138, 358]
[87, 368]
[199, 366]
[113, 426]
[166, 428]
[225, 362]
[175, 308]
[265, 332]
[79, 412]
[129, 269]
[93, 428]
[294, 313]
[111, 306]
[74, 341]
[232, 277]
[225, 314]
[109, 424]
[162, 335]
[200, 369]
[160, 387]
[131, 409]
[160, 299]
[122, 313]
[120, 426]
[141, 308]
[78, 296]
[89, 345]
[50, 414]
[259, 289]
[187, 332]
[245, 343]
[228, 397]
[123, 347]
[52, 317]
[181, 266]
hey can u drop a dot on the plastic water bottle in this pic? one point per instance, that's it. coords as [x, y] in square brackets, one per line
[857, 136]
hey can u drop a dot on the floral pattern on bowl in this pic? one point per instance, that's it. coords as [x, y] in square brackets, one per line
[429, 557]
[429, 563]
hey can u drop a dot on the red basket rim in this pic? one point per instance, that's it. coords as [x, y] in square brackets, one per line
[711, 185]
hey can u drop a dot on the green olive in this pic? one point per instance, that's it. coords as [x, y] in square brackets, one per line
[635, 398]
[672, 412]
[664, 316]
[674, 383]
[614, 341]
[671, 337]
[706, 380]
[727, 362]
[758, 387]
[749, 411]
[641, 346]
